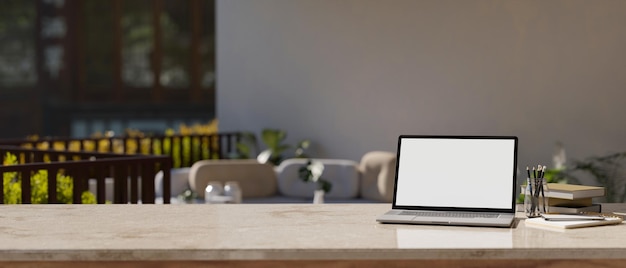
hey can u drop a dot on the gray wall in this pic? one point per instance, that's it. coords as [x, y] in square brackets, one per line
[353, 74]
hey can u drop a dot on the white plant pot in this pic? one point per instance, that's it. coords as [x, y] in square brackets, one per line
[318, 197]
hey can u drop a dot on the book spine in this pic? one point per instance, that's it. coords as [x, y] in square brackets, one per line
[560, 202]
[568, 195]
[574, 210]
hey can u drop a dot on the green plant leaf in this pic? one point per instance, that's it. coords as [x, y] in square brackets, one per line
[273, 137]
[324, 185]
[280, 149]
[269, 137]
[244, 150]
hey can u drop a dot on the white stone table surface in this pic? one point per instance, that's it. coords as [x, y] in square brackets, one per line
[280, 232]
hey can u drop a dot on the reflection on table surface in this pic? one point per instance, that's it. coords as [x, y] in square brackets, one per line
[454, 238]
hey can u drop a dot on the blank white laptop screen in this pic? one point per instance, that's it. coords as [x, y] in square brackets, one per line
[460, 173]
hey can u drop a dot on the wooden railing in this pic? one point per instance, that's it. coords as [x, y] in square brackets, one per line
[183, 149]
[133, 175]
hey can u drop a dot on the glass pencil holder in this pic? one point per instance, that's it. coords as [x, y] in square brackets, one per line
[535, 197]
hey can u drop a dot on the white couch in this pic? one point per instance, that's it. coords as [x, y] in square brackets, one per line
[370, 180]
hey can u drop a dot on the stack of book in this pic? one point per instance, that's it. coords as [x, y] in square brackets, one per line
[571, 198]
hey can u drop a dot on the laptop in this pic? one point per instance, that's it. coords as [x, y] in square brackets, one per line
[454, 180]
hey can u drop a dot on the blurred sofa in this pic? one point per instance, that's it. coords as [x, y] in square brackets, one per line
[369, 180]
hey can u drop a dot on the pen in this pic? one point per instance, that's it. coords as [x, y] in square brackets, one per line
[539, 171]
[528, 183]
[544, 187]
[567, 217]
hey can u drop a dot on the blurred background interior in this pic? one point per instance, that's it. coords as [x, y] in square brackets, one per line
[74, 68]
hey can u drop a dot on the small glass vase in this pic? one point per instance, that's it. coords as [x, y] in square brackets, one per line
[213, 191]
[232, 190]
[318, 197]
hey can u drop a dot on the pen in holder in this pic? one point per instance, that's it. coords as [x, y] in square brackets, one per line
[536, 194]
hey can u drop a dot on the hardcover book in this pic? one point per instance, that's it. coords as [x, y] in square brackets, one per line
[571, 191]
[574, 210]
[580, 202]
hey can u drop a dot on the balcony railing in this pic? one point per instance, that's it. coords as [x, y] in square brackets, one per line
[133, 175]
[183, 149]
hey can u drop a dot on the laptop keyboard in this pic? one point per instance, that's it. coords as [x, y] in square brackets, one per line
[449, 214]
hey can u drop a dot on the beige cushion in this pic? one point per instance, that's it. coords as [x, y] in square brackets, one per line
[378, 171]
[255, 179]
[342, 174]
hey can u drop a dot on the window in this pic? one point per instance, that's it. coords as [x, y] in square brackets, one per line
[123, 60]
[17, 46]
[164, 45]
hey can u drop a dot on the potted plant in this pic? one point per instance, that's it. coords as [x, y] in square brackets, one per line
[274, 140]
[312, 172]
[606, 170]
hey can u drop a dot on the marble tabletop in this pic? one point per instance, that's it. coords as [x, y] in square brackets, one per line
[275, 232]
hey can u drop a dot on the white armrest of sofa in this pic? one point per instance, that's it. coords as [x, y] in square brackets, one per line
[179, 180]
[378, 170]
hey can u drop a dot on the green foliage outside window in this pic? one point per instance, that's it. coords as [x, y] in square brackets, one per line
[39, 187]
[179, 148]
